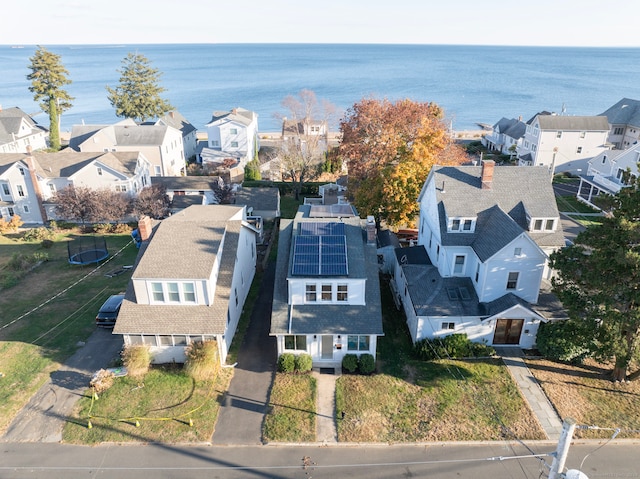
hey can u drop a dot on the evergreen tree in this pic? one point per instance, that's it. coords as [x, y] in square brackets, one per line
[138, 94]
[48, 77]
[252, 171]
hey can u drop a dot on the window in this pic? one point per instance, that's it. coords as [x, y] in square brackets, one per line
[5, 189]
[512, 281]
[604, 159]
[215, 143]
[537, 225]
[458, 265]
[235, 290]
[477, 272]
[467, 225]
[526, 144]
[135, 339]
[295, 342]
[99, 171]
[189, 293]
[618, 130]
[559, 134]
[26, 208]
[150, 340]
[517, 252]
[179, 340]
[165, 341]
[157, 292]
[310, 292]
[173, 292]
[10, 211]
[327, 293]
[158, 170]
[343, 293]
[549, 225]
[20, 190]
[579, 149]
[233, 131]
[535, 130]
[583, 134]
[357, 342]
[21, 171]
[448, 325]
[234, 144]
[52, 188]
[455, 225]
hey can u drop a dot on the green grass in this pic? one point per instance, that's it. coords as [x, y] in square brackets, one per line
[292, 409]
[572, 205]
[163, 403]
[289, 206]
[48, 313]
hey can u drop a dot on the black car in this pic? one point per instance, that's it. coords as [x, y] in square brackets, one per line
[109, 311]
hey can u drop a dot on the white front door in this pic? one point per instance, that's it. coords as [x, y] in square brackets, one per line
[327, 347]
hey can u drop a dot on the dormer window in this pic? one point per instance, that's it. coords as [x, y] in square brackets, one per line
[461, 225]
[543, 224]
[455, 225]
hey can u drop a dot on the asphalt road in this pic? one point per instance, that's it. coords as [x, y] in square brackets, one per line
[436, 461]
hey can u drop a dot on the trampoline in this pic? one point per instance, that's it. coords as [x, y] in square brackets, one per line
[87, 250]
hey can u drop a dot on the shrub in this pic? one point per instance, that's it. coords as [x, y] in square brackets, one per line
[11, 225]
[366, 363]
[46, 244]
[457, 345]
[38, 234]
[137, 360]
[102, 228]
[121, 228]
[303, 363]
[479, 350]
[350, 363]
[286, 363]
[563, 341]
[452, 346]
[203, 362]
[102, 381]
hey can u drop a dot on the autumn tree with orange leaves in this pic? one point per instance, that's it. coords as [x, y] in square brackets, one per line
[390, 149]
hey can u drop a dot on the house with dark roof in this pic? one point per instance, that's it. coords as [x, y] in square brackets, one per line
[608, 173]
[484, 239]
[19, 131]
[562, 143]
[231, 135]
[187, 190]
[326, 300]
[506, 135]
[174, 300]
[624, 118]
[160, 144]
[260, 201]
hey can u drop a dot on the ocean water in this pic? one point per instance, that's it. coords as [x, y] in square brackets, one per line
[474, 84]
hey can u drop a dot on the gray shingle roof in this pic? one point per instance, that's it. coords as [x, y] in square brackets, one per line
[259, 198]
[573, 123]
[328, 319]
[67, 162]
[176, 120]
[239, 115]
[10, 121]
[625, 112]
[200, 183]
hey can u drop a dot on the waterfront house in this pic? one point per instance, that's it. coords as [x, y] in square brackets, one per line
[190, 281]
[484, 239]
[231, 134]
[563, 143]
[19, 191]
[19, 131]
[506, 135]
[624, 119]
[326, 300]
[189, 132]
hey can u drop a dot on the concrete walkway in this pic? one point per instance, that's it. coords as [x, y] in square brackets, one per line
[326, 432]
[513, 358]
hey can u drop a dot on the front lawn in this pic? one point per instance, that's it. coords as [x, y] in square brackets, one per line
[586, 393]
[292, 409]
[166, 406]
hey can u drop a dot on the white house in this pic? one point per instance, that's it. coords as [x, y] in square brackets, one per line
[486, 233]
[18, 131]
[191, 280]
[189, 132]
[608, 173]
[624, 118]
[563, 143]
[19, 193]
[161, 145]
[198, 189]
[506, 136]
[326, 299]
[231, 134]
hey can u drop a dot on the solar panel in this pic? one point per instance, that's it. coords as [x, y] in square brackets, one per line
[320, 254]
[321, 229]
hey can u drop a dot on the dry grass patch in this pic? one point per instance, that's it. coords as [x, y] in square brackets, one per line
[585, 393]
[292, 409]
[163, 405]
[450, 401]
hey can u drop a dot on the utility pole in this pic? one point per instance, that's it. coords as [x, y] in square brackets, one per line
[568, 426]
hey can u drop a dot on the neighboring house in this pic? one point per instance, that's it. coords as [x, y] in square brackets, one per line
[608, 173]
[487, 233]
[326, 299]
[190, 281]
[19, 191]
[263, 202]
[160, 144]
[332, 203]
[231, 134]
[506, 136]
[18, 131]
[563, 143]
[624, 118]
[189, 187]
[189, 132]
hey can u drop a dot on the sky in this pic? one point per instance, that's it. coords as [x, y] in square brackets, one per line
[589, 23]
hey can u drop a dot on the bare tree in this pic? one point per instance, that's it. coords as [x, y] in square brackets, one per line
[305, 136]
[152, 201]
[79, 203]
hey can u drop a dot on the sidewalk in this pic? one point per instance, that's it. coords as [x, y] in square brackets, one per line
[326, 432]
[513, 358]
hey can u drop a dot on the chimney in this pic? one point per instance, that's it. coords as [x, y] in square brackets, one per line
[173, 115]
[144, 228]
[31, 165]
[234, 111]
[371, 230]
[487, 174]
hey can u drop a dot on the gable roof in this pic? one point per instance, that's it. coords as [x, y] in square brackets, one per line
[238, 115]
[10, 121]
[176, 120]
[200, 183]
[501, 212]
[260, 199]
[67, 162]
[624, 112]
[125, 133]
[573, 123]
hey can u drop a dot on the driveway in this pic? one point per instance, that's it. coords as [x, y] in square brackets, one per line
[43, 418]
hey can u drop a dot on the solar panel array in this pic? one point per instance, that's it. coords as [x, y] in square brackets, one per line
[320, 249]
